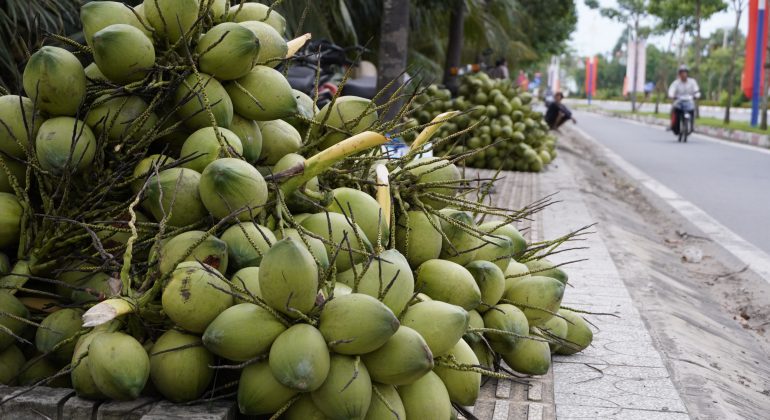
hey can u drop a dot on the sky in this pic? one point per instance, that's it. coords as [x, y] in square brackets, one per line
[597, 35]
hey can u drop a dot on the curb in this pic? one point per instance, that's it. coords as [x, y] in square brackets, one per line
[734, 136]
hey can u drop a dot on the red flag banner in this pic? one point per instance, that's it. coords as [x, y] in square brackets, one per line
[592, 65]
[747, 81]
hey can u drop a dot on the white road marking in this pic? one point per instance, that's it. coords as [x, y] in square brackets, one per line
[757, 260]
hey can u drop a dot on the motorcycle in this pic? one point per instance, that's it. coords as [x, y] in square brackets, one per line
[684, 109]
[318, 70]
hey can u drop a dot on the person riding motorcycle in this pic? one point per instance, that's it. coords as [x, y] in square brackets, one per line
[683, 91]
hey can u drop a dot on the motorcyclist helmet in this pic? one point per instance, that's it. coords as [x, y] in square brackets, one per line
[684, 68]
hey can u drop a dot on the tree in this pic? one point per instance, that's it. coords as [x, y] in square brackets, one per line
[738, 7]
[631, 13]
[394, 45]
[455, 44]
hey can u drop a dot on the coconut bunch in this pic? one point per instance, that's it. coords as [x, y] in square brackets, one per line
[496, 116]
[176, 221]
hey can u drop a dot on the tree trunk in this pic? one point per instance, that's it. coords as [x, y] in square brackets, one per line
[636, 64]
[394, 44]
[698, 51]
[734, 56]
[455, 47]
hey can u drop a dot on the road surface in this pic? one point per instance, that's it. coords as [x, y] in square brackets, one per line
[736, 114]
[731, 183]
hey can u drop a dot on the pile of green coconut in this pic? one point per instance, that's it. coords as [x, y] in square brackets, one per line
[497, 117]
[177, 222]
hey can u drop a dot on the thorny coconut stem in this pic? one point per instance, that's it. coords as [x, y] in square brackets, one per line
[428, 132]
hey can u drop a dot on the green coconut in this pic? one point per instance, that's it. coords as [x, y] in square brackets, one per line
[205, 146]
[92, 289]
[194, 296]
[579, 335]
[16, 170]
[306, 112]
[356, 324]
[246, 279]
[440, 324]
[557, 329]
[279, 138]
[432, 170]
[538, 297]
[491, 282]
[347, 391]
[210, 251]
[12, 310]
[259, 12]
[251, 137]
[448, 282]
[10, 220]
[364, 209]
[474, 321]
[59, 327]
[388, 278]
[228, 185]
[227, 51]
[543, 267]
[173, 194]
[403, 359]
[386, 404]
[288, 277]
[304, 409]
[418, 237]
[272, 46]
[119, 365]
[485, 354]
[118, 117]
[93, 74]
[11, 361]
[515, 272]
[426, 398]
[314, 245]
[507, 319]
[54, 145]
[529, 357]
[242, 332]
[299, 358]
[462, 385]
[146, 167]
[259, 392]
[16, 115]
[123, 53]
[343, 118]
[508, 230]
[97, 15]
[35, 371]
[351, 251]
[179, 366]
[17, 277]
[82, 381]
[246, 244]
[496, 249]
[193, 109]
[263, 94]
[55, 81]
[171, 19]
[461, 244]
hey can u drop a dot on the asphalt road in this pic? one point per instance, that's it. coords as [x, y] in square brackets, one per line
[730, 183]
